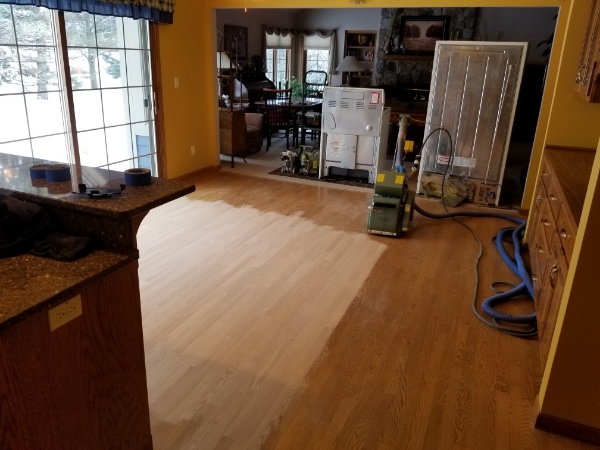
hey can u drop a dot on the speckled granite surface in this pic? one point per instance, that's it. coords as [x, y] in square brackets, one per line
[14, 175]
[29, 283]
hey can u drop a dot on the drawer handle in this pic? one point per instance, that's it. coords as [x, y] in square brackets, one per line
[534, 278]
[540, 250]
[563, 234]
[552, 197]
[546, 223]
[544, 174]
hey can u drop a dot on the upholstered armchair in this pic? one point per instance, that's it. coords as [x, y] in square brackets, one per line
[254, 132]
[240, 133]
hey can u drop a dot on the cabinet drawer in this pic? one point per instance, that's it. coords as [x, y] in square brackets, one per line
[538, 255]
[546, 222]
[554, 198]
[566, 232]
[546, 173]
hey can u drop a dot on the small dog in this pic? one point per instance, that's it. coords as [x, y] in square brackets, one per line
[290, 161]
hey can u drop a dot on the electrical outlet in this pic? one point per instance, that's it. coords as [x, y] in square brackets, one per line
[193, 149]
[65, 312]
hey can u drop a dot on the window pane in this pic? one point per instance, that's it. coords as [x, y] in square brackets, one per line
[140, 104]
[92, 148]
[34, 25]
[112, 68]
[143, 139]
[38, 66]
[122, 166]
[109, 31]
[81, 30]
[118, 143]
[134, 68]
[116, 106]
[7, 33]
[51, 148]
[269, 64]
[84, 68]
[132, 34]
[13, 118]
[21, 148]
[10, 76]
[88, 109]
[317, 60]
[45, 114]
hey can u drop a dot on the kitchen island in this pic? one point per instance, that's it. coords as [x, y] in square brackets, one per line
[72, 369]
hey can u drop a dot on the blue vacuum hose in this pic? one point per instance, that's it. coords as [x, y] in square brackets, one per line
[516, 264]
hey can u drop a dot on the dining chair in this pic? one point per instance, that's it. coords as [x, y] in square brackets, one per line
[278, 117]
[312, 101]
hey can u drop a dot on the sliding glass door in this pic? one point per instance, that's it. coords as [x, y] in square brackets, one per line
[108, 60]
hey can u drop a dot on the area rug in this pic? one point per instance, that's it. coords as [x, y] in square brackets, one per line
[345, 180]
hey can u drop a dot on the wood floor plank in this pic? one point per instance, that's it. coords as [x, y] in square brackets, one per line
[273, 320]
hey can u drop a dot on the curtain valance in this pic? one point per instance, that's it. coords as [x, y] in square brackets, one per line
[284, 32]
[155, 10]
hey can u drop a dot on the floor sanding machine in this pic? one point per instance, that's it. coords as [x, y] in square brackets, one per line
[392, 205]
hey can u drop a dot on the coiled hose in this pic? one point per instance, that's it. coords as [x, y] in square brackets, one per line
[516, 264]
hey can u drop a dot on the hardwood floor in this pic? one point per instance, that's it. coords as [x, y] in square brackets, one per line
[273, 320]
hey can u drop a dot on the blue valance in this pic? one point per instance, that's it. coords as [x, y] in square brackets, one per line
[102, 7]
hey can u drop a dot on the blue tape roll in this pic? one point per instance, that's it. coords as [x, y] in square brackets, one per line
[38, 172]
[137, 177]
[58, 172]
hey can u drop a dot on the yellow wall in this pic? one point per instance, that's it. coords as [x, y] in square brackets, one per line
[187, 51]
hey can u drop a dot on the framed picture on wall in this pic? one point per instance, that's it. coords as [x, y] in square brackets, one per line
[236, 41]
[420, 33]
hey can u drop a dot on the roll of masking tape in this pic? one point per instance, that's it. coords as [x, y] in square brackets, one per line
[138, 177]
[58, 172]
[38, 172]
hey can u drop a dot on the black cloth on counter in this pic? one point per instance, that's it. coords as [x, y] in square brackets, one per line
[62, 247]
[26, 227]
[20, 223]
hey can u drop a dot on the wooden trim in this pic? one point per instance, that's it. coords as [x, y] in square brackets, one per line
[197, 173]
[567, 428]
[159, 119]
[564, 147]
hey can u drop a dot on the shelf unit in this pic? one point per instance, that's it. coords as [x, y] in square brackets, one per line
[587, 82]
[361, 44]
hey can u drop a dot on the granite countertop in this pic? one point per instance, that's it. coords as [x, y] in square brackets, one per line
[31, 283]
[134, 200]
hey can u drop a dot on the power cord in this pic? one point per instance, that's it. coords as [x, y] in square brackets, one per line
[531, 330]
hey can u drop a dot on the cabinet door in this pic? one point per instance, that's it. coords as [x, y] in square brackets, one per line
[587, 81]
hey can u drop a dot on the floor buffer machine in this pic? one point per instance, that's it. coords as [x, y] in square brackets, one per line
[392, 205]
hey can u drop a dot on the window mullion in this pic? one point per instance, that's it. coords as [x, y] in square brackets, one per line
[64, 78]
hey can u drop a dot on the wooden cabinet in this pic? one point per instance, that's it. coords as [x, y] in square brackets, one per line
[82, 385]
[587, 81]
[361, 44]
[554, 219]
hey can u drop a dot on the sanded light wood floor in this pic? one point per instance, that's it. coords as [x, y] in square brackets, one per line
[273, 320]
